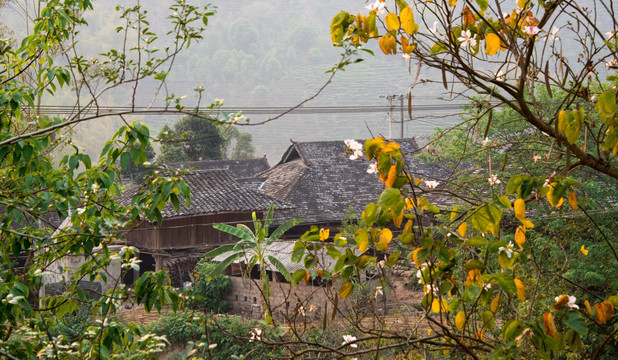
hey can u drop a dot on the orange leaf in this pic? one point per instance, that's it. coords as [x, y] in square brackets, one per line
[452, 2]
[520, 236]
[550, 326]
[468, 16]
[307, 276]
[572, 200]
[388, 44]
[391, 177]
[587, 304]
[604, 311]
[520, 209]
[405, 45]
[461, 230]
[414, 253]
[521, 290]
[397, 220]
[562, 300]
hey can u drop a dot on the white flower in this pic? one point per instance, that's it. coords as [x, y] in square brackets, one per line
[508, 249]
[372, 169]
[80, 210]
[378, 6]
[531, 30]
[256, 334]
[95, 187]
[610, 34]
[355, 147]
[378, 291]
[429, 288]
[546, 183]
[613, 64]
[572, 300]
[536, 158]
[434, 28]
[485, 141]
[432, 184]
[486, 286]
[500, 76]
[312, 308]
[593, 98]
[493, 180]
[553, 34]
[406, 56]
[467, 38]
[301, 311]
[347, 339]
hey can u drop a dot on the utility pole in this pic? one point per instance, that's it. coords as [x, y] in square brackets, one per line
[390, 99]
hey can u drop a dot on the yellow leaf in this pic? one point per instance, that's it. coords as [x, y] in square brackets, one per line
[550, 326]
[520, 209]
[584, 250]
[346, 289]
[479, 334]
[414, 253]
[572, 200]
[405, 45]
[522, 3]
[492, 43]
[604, 311]
[388, 44]
[407, 21]
[428, 332]
[460, 320]
[452, 2]
[386, 235]
[521, 290]
[461, 230]
[392, 176]
[438, 306]
[369, 25]
[552, 199]
[392, 22]
[520, 236]
[361, 236]
[495, 304]
[307, 276]
[324, 233]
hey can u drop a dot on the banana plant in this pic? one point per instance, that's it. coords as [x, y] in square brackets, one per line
[252, 246]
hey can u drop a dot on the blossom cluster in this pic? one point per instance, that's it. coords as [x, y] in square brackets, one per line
[355, 148]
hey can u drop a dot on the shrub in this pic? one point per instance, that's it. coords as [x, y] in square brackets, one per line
[209, 291]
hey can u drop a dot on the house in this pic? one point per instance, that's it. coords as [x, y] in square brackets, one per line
[238, 169]
[323, 184]
[186, 234]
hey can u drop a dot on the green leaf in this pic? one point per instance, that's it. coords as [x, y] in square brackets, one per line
[346, 289]
[504, 280]
[283, 228]
[389, 197]
[606, 106]
[298, 251]
[577, 322]
[474, 264]
[298, 275]
[489, 320]
[487, 219]
[482, 4]
[438, 48]
[220, 250]
[234, 231]
[218, 270]
[280, 267]
[512, 330]
[477, 241]
[514, 183]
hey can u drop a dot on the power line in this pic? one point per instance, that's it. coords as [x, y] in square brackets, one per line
[248, 110]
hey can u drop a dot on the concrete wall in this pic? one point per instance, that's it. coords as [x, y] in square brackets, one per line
[58, 273]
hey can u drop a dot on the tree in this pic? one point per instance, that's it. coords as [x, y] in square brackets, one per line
[504, 55]
[204, 138]
[193, 138]
[481, 299]
[252, 248]
[36, 190]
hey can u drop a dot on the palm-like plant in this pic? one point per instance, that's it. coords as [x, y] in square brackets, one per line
[252, 245]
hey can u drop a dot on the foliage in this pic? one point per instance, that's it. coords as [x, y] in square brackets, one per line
[73, 326]
[193, 138]
[209, 291]
[252, 247]
[478, 287]
[137, 170]
[37, 191]
[505, 56]
[220, 337]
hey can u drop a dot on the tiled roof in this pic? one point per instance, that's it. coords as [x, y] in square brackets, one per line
[239, 169]
[323, 183]
[216, 191]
